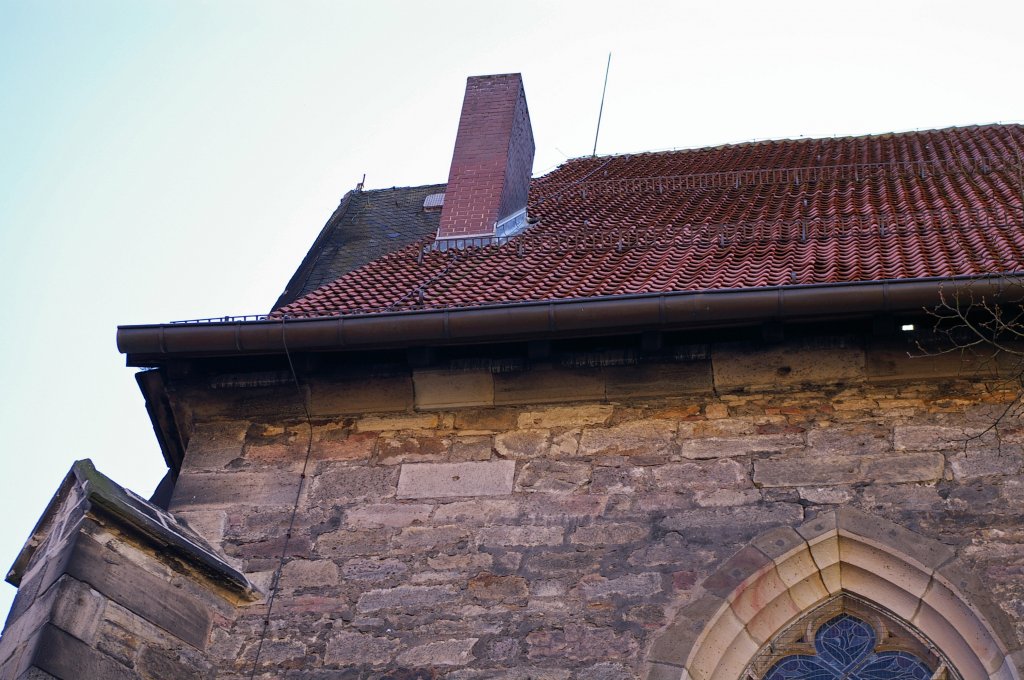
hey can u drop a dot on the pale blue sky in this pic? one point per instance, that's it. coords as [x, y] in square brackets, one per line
[175, 159]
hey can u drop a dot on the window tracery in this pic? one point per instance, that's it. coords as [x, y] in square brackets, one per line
[849, 639]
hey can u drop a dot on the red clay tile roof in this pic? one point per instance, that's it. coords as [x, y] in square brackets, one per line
[899, 206]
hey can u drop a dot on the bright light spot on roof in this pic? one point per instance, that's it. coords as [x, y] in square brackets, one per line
[907, 327]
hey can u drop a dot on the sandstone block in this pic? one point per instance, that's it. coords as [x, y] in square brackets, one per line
[553, 476]
[107, 570]
[404, 447]
[720, 427]
[345, 543]
[744, 367]
[223, 489]
[565, 443]
[727, 447]
[364, 395]
[483, 511]
[486, 419]
[164, 663]
[921, 467]
[716, 411]
[356, 649]
[429, 538]
[855, 438]
[446, 480]
[449, 389]
[282, 654]
[814, 471]
[396, 515]
[929, 437]
[447, 653]
[639, 437]
[345, 446]
[622, 480]
[78, 610]
[544, 386]
[656, 380]
[68, 657]
[373, 569]
[210, 524]
[736, 570]
[924, 549]
[610, 534]
[501, 649]
[281, 455]
[671, 550]
[662, 671]
[522, 444]
[337, 484]
[309, 574]
[265, 555]
[250, 402]
[548, 588]
[408, 421]
[212, 445]
[472, 562]
[827, 495]
[987, 463]
[406, 598]
[566, 416]
[703, 476]
[727, 498]
[493, 588]
[471, 448]
[713, 526]
[849, 404]
[564, 509]
[577, 642]
[632, 586]
[900, 362]
[520, 535]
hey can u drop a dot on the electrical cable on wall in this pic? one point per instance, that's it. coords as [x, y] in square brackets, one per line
[275, 581]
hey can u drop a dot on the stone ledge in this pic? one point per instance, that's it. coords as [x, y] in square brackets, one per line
[449, 389]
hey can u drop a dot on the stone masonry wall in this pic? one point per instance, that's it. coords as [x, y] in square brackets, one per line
[549, 523]
[102, 606]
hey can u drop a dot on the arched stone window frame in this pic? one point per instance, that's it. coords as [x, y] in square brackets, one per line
[785, 573]
[892, 635]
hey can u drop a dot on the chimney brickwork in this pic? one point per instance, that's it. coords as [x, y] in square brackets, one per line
[493, 159]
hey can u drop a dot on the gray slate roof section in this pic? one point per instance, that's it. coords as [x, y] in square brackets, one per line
[367, 225]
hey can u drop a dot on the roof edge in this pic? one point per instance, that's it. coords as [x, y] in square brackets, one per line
[150, 345]
[298, 279]
[104, 496]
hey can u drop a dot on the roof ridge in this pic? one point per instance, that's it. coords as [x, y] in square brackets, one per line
[398, 188]
[790, 140]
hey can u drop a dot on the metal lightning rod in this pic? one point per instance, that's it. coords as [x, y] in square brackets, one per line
[601, 110]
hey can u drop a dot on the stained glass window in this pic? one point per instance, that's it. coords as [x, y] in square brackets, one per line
[846, 648]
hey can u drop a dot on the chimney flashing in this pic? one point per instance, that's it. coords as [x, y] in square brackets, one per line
[503, 231]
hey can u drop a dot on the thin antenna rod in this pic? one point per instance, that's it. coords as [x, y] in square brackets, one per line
[601, 110]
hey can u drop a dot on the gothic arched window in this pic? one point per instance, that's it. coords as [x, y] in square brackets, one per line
[849, 639]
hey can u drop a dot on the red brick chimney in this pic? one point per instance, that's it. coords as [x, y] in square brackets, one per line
[492, 163]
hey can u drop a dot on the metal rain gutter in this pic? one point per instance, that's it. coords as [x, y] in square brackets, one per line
[148, 345]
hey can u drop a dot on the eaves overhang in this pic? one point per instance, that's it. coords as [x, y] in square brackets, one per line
[152, 345]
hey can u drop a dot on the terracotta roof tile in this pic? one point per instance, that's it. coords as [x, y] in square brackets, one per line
[899, 206]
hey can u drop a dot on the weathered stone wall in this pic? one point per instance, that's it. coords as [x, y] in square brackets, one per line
[105, 608]
[550, 523]
[100, 598]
